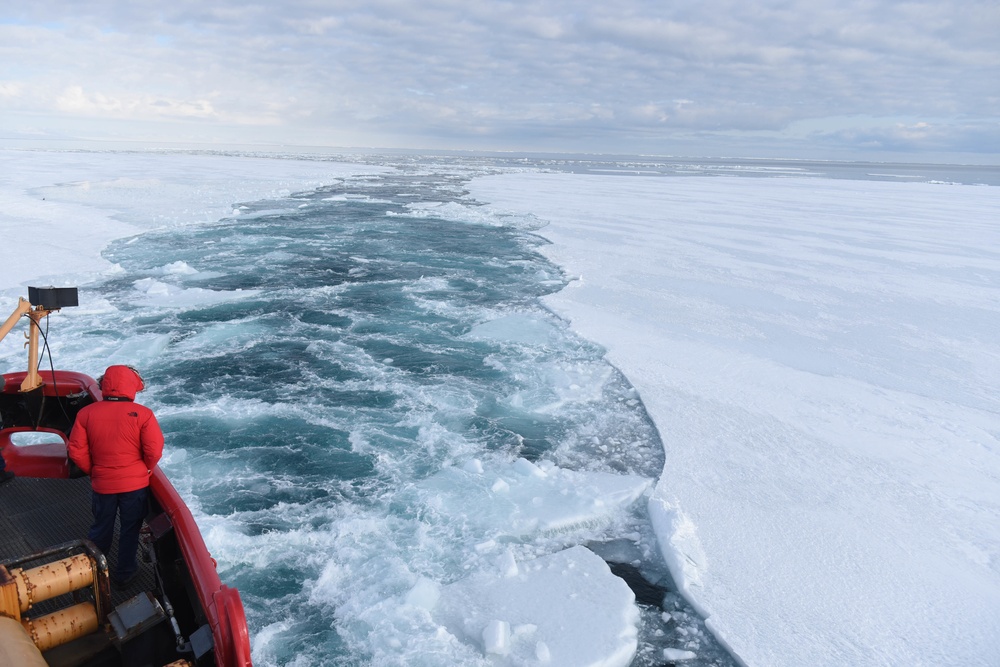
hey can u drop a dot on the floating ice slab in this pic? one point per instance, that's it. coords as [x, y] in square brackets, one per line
[566, 609]
[164, 295]
[677, 655]
[521, 498]
[519, 328]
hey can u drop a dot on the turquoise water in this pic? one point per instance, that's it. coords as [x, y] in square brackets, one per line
[312, 360]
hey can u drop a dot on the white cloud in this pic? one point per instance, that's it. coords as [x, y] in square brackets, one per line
[319, 26]
[599, 72]
[74, 100]
[11, 89]
[546, 27]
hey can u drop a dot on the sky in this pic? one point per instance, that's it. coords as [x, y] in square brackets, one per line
[822, 79]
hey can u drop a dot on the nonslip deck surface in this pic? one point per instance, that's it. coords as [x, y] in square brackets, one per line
[38, 513]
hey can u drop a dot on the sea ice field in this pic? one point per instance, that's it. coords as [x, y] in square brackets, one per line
[553, 411]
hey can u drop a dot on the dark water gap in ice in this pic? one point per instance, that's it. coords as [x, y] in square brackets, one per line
[385, 327]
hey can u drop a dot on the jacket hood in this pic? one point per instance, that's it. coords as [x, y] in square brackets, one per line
[121, 382]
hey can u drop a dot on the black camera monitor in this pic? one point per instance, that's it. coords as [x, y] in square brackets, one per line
[53, 298]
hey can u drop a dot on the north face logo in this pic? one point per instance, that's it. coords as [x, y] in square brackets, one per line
[133, 414]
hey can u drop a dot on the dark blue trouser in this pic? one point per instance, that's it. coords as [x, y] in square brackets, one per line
[3, 464]
[131, 507]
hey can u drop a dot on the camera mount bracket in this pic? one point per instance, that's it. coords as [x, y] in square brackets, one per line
[50, 299]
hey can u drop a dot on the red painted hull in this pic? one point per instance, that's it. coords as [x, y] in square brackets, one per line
[220, 605]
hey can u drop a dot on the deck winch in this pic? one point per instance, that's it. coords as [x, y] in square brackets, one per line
[22, 589]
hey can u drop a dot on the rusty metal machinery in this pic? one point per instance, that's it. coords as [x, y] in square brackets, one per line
[62, 626]
[52, 580]
[21, 589]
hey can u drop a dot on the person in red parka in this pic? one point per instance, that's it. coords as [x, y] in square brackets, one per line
[118, 443]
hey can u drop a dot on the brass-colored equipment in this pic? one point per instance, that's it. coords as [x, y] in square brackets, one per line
[21, 589]
[52, 580]
[62, 626]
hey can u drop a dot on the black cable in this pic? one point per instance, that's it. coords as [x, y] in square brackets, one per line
[52, 367]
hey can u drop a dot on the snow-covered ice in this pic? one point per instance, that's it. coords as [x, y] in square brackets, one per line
[59, 210]
[821, 360]
[562, 609]
[819, 356]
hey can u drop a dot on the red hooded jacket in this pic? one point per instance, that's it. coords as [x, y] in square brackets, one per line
[116, 441]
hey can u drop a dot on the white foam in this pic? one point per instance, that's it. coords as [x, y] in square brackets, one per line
[558, 386]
